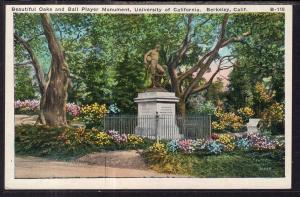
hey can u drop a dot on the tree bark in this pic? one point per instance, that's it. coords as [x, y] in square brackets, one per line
[182, 107]
[54, 99]
[53, 90]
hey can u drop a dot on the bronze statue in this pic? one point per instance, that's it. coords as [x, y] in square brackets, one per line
[151, 63]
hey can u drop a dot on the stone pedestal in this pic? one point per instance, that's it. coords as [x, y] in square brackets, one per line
[157, 115]
[252, 125]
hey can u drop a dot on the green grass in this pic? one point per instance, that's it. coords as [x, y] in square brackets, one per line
[226, 165]
[236, 165]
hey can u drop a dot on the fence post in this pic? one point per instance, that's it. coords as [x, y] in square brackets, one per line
[156, 124]
[104, 123]
[209, 120]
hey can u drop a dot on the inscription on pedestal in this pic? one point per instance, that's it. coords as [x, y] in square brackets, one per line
[166, 109]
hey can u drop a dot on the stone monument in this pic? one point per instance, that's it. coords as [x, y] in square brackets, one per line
[252, 125]
[157, 115]
[156, 106]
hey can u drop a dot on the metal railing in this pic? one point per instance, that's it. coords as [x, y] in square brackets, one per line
[161, 126]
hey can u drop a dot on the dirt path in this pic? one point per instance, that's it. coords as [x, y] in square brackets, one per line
[35, 167]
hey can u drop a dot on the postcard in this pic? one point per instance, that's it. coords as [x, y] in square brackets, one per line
[148, 96]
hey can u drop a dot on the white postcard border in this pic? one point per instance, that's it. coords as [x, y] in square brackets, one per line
[144, 183]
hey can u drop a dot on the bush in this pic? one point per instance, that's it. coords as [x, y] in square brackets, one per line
[92, 115]
[245, 113]
[227, 122]
[206, 108]
[231, 121]
[31, 107]
[71, 142]
[161, 160]
[27, 107]
[273, 118]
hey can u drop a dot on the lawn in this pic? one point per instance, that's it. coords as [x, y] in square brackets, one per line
[236, 165]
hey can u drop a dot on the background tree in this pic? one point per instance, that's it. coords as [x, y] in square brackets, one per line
[127, 86]
[260, 57]
[25, 88]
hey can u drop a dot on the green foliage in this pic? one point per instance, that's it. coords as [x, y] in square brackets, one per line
[273, 119]
[232, 121]
[228, 165]
[261, 56]
[69, 142]
[237, 164]
[215, 92]
[105, 52]
[92, 115]
[206, 108]
[162, 161]
[128, 85]
[25, 88]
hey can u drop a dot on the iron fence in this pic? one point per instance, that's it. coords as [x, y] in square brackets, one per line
[161, 126]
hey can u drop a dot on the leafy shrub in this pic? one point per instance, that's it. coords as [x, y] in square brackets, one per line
[160, 160]
[38, 140]
[231, 121]
[92, 115]
[227, 122]
[207, 108]
[245, 113]
[272, 115]
[264, 95]
[273, 118]
[24, 86]
[70, 142]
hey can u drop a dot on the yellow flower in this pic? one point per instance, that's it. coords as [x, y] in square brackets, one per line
[134, 139]
[103, 138]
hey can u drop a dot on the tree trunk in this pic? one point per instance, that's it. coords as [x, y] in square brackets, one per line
[182, 107]
[54, 98]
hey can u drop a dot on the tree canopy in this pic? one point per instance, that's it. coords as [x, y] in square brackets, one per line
[105, 52]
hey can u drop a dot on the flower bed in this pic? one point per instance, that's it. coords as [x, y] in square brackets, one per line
[219, 143]
[183, 156]
[234, 156]
[71, 142]
[33, 107]
[27, 106]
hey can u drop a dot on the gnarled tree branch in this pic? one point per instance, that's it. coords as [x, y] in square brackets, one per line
[200, 63]
[27, 63]
[210, 59]
[220, 67]
[37, 67]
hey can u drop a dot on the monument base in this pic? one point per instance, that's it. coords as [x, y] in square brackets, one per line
[157, 115]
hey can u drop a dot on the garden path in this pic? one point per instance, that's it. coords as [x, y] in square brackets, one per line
[35, 167]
